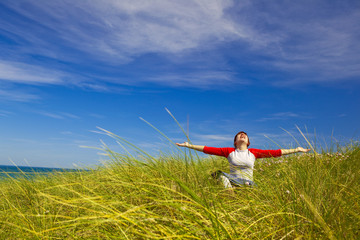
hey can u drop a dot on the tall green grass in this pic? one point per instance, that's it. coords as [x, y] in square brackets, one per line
[308, 196]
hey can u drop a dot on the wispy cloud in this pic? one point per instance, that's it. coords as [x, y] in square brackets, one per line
[5, 113]
[66, 133]
[198, 80]
[13, 73]
[98, 116]
[212, 137]
[308, 42]
[58, 115]
[117, 32]
[124, 29]
[29, 74]
[279, 116]
[314, 41]
[284, 116]
[10, 94]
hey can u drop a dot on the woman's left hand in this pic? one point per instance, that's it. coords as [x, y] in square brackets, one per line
[300, 149]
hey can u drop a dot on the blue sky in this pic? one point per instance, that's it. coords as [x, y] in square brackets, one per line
[223, 66]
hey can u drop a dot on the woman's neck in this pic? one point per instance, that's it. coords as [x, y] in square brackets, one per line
[242, 147]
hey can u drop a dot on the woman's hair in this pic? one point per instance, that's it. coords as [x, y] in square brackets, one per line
[238, 134]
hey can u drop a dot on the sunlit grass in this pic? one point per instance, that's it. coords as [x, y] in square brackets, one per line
[309, 196]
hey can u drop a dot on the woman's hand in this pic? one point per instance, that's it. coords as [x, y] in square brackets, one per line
[300, 149]
[294, 150]
[185, 144]
[188, 145]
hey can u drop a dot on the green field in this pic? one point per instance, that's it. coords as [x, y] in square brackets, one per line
[308, 196]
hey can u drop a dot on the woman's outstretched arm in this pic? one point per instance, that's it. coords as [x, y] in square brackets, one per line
[295, 150]
[188, 145]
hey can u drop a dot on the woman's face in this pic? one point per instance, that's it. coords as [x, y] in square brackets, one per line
[242, 138]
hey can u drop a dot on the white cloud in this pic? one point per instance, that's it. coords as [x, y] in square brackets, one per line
[198, 80]
[123, 29]
[26, 73]
[4, 113]
[310, 41]
[212, 137]
[313, 41]
[281, 116]
[16, 95]
[58, 115]
[98, 116]
[66, 133]
[12, 73]
[117, 32]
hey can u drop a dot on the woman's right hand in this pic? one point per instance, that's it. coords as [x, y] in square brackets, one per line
[185, 144]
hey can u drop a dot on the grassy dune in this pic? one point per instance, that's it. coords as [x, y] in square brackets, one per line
[309, 196]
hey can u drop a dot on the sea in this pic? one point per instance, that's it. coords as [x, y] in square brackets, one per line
[7, 171]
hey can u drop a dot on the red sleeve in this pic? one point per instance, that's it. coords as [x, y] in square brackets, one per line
[258, 153]
[224, 152]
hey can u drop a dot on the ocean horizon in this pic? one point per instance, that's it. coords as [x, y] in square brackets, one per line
[11, 171]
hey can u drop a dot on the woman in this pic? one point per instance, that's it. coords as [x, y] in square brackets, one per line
[241, 159]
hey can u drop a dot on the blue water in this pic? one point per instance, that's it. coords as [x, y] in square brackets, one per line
[27, 172]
